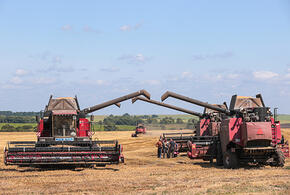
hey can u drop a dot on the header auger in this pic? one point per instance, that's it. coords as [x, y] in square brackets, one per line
[64, 136]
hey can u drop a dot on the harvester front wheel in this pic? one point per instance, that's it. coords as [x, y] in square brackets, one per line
[230, 160]
[5, 155]
[279, 160]
[134, 135]
[219, 157]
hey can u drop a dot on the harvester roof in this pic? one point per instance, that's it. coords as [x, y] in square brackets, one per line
[67, 104]
[242, 102]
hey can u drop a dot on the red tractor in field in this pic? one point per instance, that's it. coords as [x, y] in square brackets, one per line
[64, 136]
[140, 129]
[247, 133]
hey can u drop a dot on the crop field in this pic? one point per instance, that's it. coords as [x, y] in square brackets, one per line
[142, 173]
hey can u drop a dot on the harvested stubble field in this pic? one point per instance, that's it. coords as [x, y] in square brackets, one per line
[142, 173]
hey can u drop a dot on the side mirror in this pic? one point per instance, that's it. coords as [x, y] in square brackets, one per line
[92, 118]
[37, 118]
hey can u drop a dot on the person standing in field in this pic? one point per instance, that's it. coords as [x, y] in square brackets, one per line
[171, 148]
[168, 149]
[159, 148]
[164, 147]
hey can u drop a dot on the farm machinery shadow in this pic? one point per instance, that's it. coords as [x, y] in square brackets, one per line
[56, 168]
[214, 165]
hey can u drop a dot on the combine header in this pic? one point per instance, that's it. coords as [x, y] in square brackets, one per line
[64, 136]
[247, 133]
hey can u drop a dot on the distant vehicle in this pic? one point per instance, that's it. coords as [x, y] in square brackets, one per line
[140, 129]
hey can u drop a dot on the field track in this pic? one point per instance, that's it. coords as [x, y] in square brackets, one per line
[142, 173]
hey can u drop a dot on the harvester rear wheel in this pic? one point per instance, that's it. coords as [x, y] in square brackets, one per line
[230, 160]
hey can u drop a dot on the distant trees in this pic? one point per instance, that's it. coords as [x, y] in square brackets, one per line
[10, 113]
[17, 119]
[125, 119]
[23, 128]
[179, 121]
[110, 123]
[152, 121]
[190, 124]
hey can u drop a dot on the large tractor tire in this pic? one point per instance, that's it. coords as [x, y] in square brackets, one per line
[219, 157]
[279, 160]
[230, 160]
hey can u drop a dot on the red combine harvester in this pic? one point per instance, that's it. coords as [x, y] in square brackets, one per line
[140, 129]
[247, 134]
[64, 136]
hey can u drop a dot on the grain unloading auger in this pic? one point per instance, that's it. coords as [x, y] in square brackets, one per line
[64, 136]
[248, 133]
[183, 138]
[209, 123]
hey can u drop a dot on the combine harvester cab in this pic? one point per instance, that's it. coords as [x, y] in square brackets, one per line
[64, 136]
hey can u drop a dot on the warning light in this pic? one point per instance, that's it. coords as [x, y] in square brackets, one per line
[260, 132]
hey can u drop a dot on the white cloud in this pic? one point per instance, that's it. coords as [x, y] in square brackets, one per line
[101, 82]
[125, 28]
[128, 27]
[233, 76]
[90, 29]
[43, 80]
[212, 77]
[92, 82]
[56, 59]
[186, 75]
[16, 80]
[287, 76]
[152, 82]
[66, 27]
[140, 57]
[223, 55]
[111, 69]
[21, 72]
[265, 75]
[134, 59]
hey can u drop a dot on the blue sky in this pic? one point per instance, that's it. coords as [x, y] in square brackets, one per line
[100, 50]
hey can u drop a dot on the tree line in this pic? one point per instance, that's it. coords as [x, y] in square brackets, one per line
[111, 122]
[20, 128]
[10, 113]
[17, 117]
